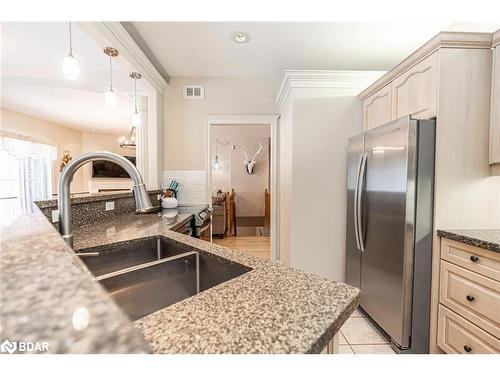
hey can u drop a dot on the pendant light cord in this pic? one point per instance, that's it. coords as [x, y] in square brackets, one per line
[135, 94]
[110, 73]
[70, 42]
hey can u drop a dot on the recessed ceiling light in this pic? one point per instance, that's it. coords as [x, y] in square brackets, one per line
[240, 37]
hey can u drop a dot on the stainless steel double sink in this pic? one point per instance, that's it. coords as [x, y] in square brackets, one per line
[147, 275]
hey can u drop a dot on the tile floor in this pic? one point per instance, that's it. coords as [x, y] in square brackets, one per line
[359, 336]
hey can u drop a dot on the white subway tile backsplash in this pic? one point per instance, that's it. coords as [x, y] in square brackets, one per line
[192, 185]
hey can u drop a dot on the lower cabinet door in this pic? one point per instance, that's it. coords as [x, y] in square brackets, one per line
[457, 335]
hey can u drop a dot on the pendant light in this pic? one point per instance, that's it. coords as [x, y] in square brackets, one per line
[216, 164]
[135, 119]
[70, 65]
[110, 97]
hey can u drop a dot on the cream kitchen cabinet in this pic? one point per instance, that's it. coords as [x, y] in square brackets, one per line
[377, 109]
[415, 91]
[469, 299]
[495, 107]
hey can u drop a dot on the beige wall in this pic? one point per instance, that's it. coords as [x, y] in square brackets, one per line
[185, 133]
[249, 189]
[63, 137]
[66, 139]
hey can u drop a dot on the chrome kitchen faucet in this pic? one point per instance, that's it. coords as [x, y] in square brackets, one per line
[142, 202]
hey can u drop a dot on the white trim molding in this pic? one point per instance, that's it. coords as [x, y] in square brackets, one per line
[116, 34]
[349, 79]
[271, 120]
[496, 39]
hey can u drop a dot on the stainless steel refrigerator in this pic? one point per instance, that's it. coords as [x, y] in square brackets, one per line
[390, 178]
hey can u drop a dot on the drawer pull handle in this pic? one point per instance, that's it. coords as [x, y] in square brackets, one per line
[470, 298]
[474, 258]
[467, 348]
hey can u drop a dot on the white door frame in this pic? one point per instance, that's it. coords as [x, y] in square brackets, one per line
[272, 121]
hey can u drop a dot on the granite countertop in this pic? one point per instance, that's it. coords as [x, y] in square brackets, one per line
[92, 197]
[270, 309]
[46, 295]
[488, 239]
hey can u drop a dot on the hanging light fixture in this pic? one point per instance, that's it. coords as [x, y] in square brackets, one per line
[110, 97]
[135, 119]
[70, 65]
[216, 164]
[129, 140]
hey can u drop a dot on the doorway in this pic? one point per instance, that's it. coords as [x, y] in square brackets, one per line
[241, 182]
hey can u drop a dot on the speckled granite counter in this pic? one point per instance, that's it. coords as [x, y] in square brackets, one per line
[46, 295]
[92, 197]
[488, 239]
[270, 309]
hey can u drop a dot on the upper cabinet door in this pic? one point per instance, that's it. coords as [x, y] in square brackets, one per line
[377, 108]
[415, 91]
[495, 108]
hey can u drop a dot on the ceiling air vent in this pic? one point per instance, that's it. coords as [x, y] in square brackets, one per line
[193, 92]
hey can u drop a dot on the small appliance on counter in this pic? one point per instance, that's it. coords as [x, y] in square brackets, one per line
[200, 225]
[169, 196]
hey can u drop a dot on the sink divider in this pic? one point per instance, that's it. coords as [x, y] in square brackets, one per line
[154, 263]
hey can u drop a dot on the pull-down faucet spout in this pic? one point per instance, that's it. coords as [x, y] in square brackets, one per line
[142, 202]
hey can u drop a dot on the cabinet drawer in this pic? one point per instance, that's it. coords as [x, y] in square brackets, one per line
[475, 297]
[457, 335]
[415, 91]
[377, 108]
[473, 258]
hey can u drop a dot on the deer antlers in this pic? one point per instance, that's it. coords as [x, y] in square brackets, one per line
[245, 159]
[249, 164]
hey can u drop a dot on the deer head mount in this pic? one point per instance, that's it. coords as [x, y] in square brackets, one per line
[249, 164]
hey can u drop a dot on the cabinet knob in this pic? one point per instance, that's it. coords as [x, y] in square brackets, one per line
[474, 258]
[467, 348]
[470, 298]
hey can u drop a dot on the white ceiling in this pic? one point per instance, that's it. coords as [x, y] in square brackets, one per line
[33, 82]
[205, 48]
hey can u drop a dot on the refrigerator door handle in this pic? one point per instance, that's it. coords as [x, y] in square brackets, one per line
[355, 202]
[359, 199]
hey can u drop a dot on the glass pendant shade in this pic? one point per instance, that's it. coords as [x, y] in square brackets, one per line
[216, 165]
[71, 67]
[110, 99]
[135, 119]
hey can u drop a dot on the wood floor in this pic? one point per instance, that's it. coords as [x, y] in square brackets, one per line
[259, 246]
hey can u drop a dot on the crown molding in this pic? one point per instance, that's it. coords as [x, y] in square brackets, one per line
[496, 38]
[116, 35]
[445, 39]
[345, 79]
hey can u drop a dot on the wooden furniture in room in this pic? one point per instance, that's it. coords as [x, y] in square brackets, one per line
[449, 78]
[267, 209]
[220, 214]
[469, 299]
[495, 107]
[231, 214]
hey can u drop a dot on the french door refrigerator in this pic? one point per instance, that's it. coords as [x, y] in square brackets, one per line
[390, 178]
